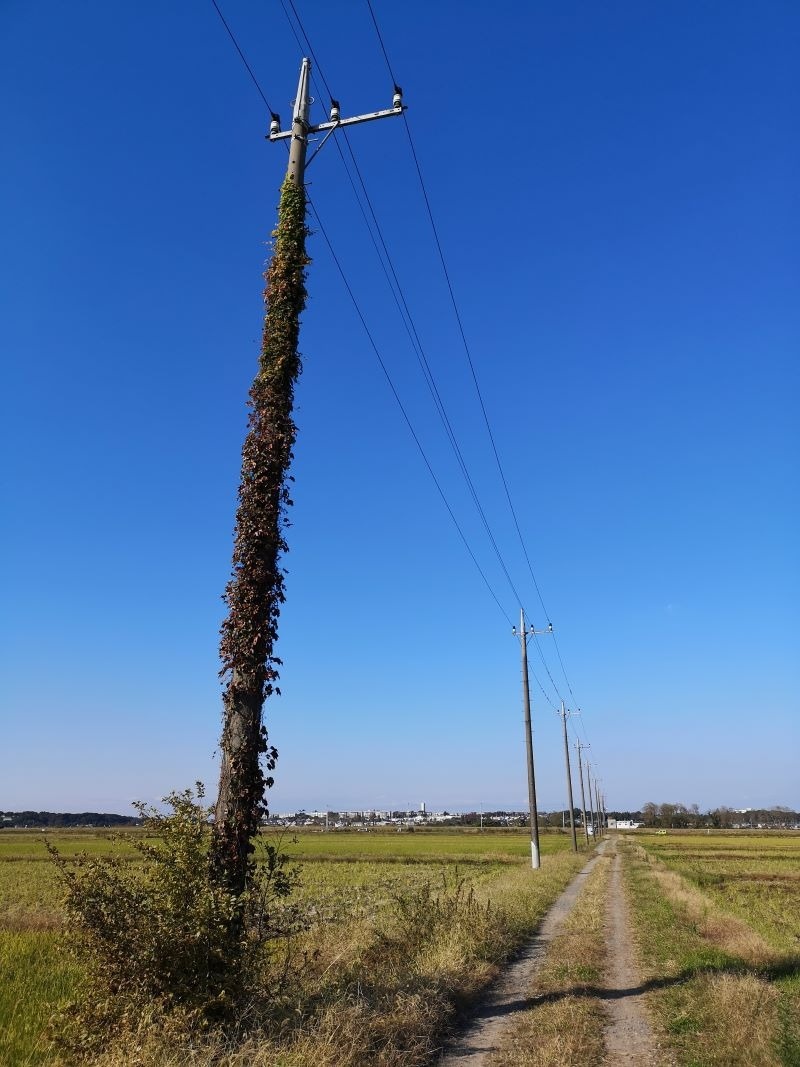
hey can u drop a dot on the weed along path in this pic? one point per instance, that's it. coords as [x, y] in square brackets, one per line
[628, 1037]
[510, 993]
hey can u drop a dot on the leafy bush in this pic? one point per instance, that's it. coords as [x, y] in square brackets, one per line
[159, 939]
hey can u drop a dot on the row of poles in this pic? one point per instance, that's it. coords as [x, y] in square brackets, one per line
[596, 808]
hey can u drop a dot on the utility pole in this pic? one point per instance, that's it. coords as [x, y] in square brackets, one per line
[579, 747]
[597, 807]
[301, 128]
[526, 701]
[591, 800]
[564, 713]
[255, 592]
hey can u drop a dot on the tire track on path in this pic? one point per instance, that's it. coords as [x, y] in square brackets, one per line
[509, 993]
[628, 1036]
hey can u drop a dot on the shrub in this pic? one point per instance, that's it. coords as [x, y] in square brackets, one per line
[159, 939]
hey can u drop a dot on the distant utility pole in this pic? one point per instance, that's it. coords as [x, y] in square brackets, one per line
[597, 808]
[595, 832]
[301, 129]
[526, 700]
[579, 747]
[564, 715]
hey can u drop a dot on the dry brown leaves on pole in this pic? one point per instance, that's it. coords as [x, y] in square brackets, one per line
[255, 591]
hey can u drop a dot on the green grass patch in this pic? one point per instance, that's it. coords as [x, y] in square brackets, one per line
[36, 981]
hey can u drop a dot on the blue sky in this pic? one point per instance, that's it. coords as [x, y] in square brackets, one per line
[615, 191]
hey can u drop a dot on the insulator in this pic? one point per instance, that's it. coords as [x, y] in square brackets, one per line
[334, 110]
[275, 125]
[397, 99]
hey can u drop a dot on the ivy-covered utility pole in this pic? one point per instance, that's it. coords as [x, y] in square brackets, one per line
[255, 591]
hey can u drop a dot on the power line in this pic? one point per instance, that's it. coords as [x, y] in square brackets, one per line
[420, 351]
[366, 328]
[292, 27]
[380, 39]
[403, 410]
[397, 292]
[308, 42]
[242, 57]
[468, 354]
[422, 359]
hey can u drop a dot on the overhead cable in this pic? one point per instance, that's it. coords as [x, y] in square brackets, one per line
[367, 330]
[470, 362]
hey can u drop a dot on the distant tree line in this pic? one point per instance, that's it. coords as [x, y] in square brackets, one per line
[682, 817]
[21, 819]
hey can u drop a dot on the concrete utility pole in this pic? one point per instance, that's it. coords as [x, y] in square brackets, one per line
[255, 590]
[564, 713]
[595, 833]
[301, 129]
[579, 747]
[526, 701]
[597, 808]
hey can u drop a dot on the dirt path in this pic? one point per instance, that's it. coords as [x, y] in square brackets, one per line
[628, 1037]
[510, 992]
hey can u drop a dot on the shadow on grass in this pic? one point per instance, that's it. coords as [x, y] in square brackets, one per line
[788, 968]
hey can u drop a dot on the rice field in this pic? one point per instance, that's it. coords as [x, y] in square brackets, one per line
[755, 876]
[718, 920]
[349, 883]
[718, 925]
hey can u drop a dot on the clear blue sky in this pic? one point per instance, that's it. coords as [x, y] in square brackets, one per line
[615, 187]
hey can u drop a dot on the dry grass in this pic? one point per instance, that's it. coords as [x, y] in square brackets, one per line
[733, 1020]
[564, 1027]
[380, 974]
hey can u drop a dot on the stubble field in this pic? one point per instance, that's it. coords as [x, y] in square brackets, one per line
[400, 930]
[717, 920]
